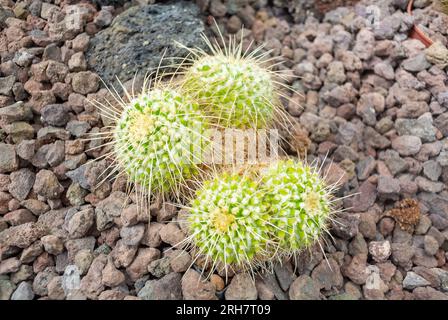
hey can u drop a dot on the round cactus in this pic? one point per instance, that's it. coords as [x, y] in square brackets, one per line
[228, 221]
[299, 201]
[155, 138]
[236, 89]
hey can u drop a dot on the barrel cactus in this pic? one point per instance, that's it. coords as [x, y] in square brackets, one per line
[300, 203]
[235, 88]
[229, 222]
[156, 139]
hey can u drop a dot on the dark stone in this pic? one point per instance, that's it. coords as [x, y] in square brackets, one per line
[141, 34]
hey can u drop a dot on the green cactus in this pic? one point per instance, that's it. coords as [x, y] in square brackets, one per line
[228, 221]
[300, 203]
[155, 139]
[260, 214]
[235, 88]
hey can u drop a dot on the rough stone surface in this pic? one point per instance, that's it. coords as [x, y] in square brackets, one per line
[130, 36]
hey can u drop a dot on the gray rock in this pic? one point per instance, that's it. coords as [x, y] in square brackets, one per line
[421, 127]
[8, 158]
[132, 235]
[428, 185]
[328, 275]
[432, 170]
[437, 204]
[441, 123]
[431, 245]
[47, 185]
[22, 182]
[76, 245]
[365, 44]
[369, 104]
[75, 194]
[304, 288]
[108, 209]
[388, 188]
[24, 291]
[5, 13]
[6, 287]
[24, 273]
[423, 225]
[402, 254]
[40, 283]
[407, 145]
[428, 293]
[413, 280]
[346, 227]
[442, 159]
[50, 134]
[71, 279]
[365, 167]
[365, 198]
[443, 278]
[417, 63]
[88, 174]
[16, 112]
[387, 28]
[285, 274]
[23, 58]
[358, 245]
[55, 115]
[80, 223]
[20, 131]
[242, 287]
[131, 36]
[78, 128]
[271, 283]
[160, 267]
[394, 162]
[421, 258]
[167, 288]
[6, 84]
[374, 139]
[26, 149]
[104, 17]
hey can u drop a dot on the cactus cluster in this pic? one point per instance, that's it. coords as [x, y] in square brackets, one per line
[243, 218]
[258, 215]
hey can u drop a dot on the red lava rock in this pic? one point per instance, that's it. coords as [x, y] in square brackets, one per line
[112, 277]
[91, 284]
[22, 235]
[195, 288]
[139, 267]
[9, 265]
